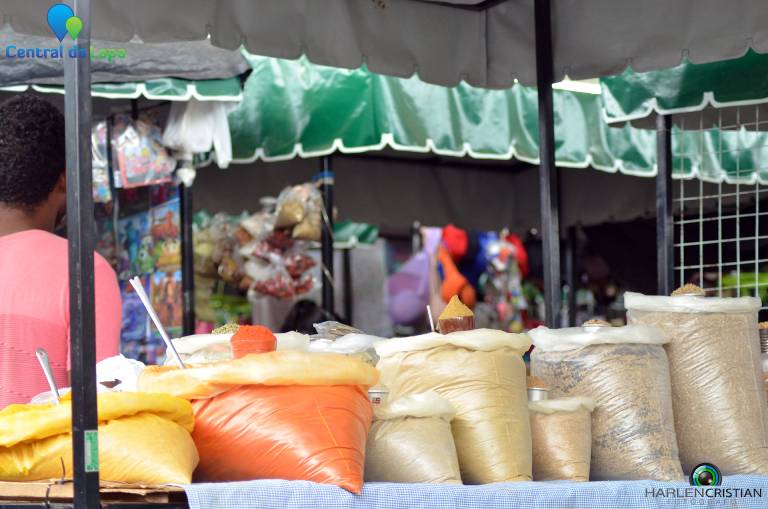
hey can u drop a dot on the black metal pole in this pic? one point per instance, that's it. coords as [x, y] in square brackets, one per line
[187, 259]
[347, 268]
[570, 275]
[326, 185]
[80, 232]
[664, 226]
[548, 188]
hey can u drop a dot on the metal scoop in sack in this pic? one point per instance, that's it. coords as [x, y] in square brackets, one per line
[42, 357]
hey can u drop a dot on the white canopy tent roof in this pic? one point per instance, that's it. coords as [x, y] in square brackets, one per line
[485, 43]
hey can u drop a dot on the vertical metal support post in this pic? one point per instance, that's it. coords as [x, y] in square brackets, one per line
[665, 234]
[187, 260]
[570, 275]
[81, 233]
[347, 268]
[326, 186]
[548, 185]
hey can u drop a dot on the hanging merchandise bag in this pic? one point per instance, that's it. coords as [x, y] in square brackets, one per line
[279, 415]
[625, 371]
[721, 415]
[561, 433]
[411, 442]
[143, 439]
[482, 374]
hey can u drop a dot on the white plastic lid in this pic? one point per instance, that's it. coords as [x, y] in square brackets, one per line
[690, 303]
[559, 340]
[425, 404]
[485, 340]
[550, 406]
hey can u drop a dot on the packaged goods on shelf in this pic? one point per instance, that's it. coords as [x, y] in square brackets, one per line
[482, 373]
[279, 415]
[721, 415]
[626, 372]
[561, 434]
[143, 439]
[411, 442]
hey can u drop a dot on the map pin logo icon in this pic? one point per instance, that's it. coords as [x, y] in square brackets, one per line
[57, 20]
[74, 26]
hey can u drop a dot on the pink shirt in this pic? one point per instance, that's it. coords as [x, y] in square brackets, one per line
[34, 312]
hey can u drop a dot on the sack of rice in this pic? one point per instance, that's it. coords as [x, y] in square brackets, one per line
[482, 373]
[561, 433]
[624, 370]
[721, 415]
[411, 442]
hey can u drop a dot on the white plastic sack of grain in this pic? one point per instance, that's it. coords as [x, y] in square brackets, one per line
[411, 442]
[482, 373]
[561, 433]
[721, 415]
[208, 348]
[625, 371]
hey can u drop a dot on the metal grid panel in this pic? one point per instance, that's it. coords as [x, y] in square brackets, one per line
[721, 229]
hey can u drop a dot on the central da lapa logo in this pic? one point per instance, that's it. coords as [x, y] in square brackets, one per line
[63, 21]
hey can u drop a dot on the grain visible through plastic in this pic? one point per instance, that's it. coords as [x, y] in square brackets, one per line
[717, 388]
[633, 434]
[561, 445]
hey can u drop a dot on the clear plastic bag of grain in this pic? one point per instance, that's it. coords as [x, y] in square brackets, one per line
[561, 434]
[624, 370]
[411, 441]
[721, 415]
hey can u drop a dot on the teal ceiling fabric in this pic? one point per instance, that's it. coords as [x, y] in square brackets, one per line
[685, 88]
[295, 108]
[163, 89]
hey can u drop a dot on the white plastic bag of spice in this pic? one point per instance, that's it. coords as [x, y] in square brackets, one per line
[626, 372]
[721, 415]
[482, 373]
[561, 434]
[411, 442]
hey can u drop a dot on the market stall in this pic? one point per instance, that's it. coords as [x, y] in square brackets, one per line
[582, 48]
[716, 204]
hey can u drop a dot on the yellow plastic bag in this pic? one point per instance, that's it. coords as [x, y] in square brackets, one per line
[287, 367]
[143, 439]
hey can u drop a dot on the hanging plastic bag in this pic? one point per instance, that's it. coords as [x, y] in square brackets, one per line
[143, 439]
[411, 442]
[721, 415]
[626, 372]
[279, 415]
[198, 126]
[561, 434]
[482, 373]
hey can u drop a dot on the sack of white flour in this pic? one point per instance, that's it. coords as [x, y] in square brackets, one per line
[482, 373]
[411, 442]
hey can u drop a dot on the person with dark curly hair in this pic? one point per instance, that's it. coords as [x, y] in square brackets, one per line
[34, 277]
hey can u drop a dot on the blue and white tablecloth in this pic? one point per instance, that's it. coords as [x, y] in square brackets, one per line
[737, 492]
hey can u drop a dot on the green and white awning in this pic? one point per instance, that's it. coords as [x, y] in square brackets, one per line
[295, 108]
[164, 89]
[686, 88]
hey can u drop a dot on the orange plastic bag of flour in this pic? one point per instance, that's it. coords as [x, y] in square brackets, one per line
[279, 415]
